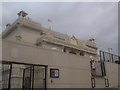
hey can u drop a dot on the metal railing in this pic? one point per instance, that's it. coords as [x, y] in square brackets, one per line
[108, 57]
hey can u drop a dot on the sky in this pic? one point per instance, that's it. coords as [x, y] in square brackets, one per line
[84, 20]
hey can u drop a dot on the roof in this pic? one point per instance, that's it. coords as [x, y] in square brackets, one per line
[49, 38]
[27, 22]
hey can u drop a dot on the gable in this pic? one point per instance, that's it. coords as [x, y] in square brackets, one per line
[73, 41]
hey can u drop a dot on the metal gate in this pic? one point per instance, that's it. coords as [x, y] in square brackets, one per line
[27, 78]
[23, 76]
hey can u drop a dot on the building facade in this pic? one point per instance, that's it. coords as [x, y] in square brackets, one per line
[38, 57]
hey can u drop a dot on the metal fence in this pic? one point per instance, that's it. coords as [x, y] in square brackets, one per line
[108, 57]
[23, 76]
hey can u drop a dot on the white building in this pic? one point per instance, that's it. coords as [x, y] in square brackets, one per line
[38, 57]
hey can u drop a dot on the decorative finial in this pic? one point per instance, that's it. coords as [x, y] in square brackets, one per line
[22, 14]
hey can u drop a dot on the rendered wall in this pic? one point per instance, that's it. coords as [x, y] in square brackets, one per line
[74, 70]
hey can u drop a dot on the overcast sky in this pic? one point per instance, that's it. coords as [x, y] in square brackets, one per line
[84, 19]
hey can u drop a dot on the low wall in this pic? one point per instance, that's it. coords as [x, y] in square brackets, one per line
[74, 70]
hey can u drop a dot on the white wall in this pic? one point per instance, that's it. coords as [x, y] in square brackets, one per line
[74, 70]
[29, 35]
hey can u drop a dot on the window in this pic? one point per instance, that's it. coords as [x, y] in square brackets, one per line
[64, 49]
[73, 52]
[82, 53]
[18, 37]
[54, 73]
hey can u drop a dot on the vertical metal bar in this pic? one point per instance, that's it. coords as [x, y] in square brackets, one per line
[9, 82]
[119, 59]
[101, 64]
[33, 78]
[100, 56]
[23, 79]
[30, 77]
[109, 57]
[45, 77]
[103, 56]
[112, 58]
[104, 69]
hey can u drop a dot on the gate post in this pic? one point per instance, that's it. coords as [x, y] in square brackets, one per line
[45, 77]
[9, 82]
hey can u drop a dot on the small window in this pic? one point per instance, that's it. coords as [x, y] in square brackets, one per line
[54, 73]
[64, 49]
[18, 37]
[82, 53]
[72, 52]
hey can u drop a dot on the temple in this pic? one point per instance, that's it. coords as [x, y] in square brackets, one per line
[34, 56]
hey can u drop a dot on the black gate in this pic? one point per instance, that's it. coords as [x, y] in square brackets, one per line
[27, 79]
[23, 76]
